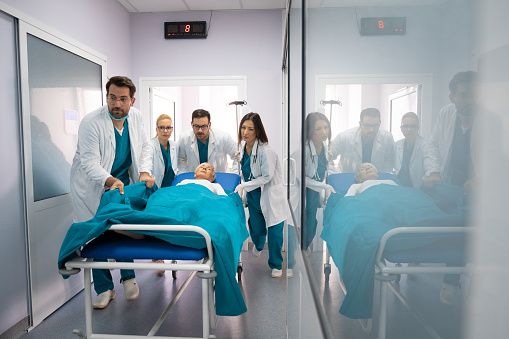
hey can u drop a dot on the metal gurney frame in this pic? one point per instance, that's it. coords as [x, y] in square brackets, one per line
[386, 274]
[204, 269]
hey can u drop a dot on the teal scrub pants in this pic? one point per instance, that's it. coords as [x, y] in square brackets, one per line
[102, 278]
[258, 230]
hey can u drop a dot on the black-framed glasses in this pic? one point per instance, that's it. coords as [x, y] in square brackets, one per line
[165, 128]
[122, 100]
[409, 126]
[203, 127]
[371, 126]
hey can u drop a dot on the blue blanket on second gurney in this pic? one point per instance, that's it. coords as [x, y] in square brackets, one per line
[353, 227]
[221, 216]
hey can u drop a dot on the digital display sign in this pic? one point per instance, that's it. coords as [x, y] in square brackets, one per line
[185, 30]
[383, 26]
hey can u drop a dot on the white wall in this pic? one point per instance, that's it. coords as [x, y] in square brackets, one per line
[238, 43]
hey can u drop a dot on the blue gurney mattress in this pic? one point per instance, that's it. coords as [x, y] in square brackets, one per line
[353, 227]
[221, 216]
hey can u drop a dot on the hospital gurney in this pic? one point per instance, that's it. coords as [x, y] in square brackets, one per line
[153, 248]
[435, 244]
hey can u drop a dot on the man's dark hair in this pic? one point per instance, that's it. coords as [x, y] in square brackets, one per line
[370, 112]
[121, 81]
[466, 77]
[200, 113]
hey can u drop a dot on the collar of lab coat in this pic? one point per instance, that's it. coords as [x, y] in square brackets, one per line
[358, 142]
[212, 142]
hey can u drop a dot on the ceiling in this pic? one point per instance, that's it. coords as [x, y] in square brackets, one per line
[150, 6]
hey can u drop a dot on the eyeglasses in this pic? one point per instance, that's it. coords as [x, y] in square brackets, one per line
[373, 126]
[123, 100]
[203, 127]
[163, 128]
[409, 126]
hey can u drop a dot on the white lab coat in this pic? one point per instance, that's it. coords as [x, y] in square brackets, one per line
[420, 164]
[220, 144]
[266, 172]
[440, 142]
[348, 144]
[153, 161]
[311, 166]
[94, 158]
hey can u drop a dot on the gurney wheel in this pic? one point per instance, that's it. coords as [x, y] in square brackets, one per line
[239, 272]
[174, 273]
[326, 271]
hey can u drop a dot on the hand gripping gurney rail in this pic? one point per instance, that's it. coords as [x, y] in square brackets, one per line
[428, 245]
[153, 248]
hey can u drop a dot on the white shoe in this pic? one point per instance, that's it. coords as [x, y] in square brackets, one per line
[159, 273]
[449, 294]
[131, 290]
[256, 253]
[289, 273]
[102, 300]
[277, 273]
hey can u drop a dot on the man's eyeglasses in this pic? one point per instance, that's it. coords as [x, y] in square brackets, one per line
[122, 100]
[165, 128]
[373, 126]
[203, 127]
[409, 126]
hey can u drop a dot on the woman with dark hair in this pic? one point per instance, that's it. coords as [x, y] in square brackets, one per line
[318, 164]
[262, 180]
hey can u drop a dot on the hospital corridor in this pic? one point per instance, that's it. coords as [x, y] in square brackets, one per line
[252, 169]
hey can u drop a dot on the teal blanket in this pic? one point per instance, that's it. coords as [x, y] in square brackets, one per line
[221, 216]
[353, 227]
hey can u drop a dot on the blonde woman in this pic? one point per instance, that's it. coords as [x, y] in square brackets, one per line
[159, 166]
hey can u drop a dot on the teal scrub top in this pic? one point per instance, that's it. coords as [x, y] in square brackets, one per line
[203, 151]
[322, 166]
[169, 175]
[255, 195]
[123, 160]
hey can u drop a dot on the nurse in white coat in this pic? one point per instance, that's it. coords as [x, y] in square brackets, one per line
[202, 144]
[366, 143]
[110, 143]
[262, 180]
[412, 159]
[159, 165]
[318, 164]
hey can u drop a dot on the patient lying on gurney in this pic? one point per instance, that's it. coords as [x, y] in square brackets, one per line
[366, 176]
[205, 175]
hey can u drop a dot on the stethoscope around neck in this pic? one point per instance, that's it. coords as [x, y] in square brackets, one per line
[254, 160]
[315, 176]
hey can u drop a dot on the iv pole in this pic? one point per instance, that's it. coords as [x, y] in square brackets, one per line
[330, 102]
[237, 104]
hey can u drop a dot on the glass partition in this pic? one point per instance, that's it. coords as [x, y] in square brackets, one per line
[419, 128]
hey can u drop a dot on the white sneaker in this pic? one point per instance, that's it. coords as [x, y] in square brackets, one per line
[449, 294]
[256, 253]
[277, 273]
[159, 273]
[102, 300]
[289, 273]
[131, 290]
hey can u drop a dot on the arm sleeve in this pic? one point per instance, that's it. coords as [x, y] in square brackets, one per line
[147, 159]
[267, 160]
[88, 139]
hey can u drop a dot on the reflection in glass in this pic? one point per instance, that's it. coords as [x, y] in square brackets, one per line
[63, 88]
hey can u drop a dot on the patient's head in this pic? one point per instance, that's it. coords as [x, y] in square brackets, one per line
[205, 171]
[366, 171]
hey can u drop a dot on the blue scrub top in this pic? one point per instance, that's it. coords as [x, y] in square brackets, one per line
[203, 151]
[322, 166]
[404, 172]
[169, 175]
[255, 195]
[123, 160]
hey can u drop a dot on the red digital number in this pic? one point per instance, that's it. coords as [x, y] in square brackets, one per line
[188, 28]
[380, 24]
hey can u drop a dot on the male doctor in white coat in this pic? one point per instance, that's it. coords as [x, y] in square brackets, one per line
[365, 144]
[107, 158]
[203, 144]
